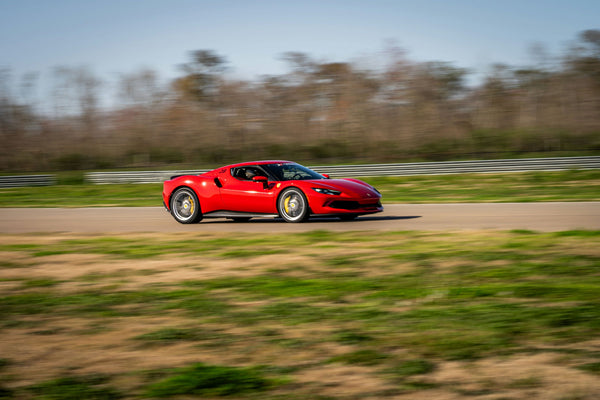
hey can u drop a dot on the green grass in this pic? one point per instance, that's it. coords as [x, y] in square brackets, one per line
[210, 380]
[37, 283]
[106, 303]
[360, 357]
[75, 388]
[413, 367]
[591, 367]
[571, 185]
[167, 336]
[83, 195]
[125, 247]
[170, 335]
[405, 305]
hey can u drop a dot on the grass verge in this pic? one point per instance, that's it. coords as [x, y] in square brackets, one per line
[325, 315]
[572, 185]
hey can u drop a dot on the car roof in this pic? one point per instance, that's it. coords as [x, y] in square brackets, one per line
[263, 162]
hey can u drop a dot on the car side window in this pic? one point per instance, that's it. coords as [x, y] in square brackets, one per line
[246, 173]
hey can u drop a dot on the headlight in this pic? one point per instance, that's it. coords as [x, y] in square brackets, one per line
[327, 191]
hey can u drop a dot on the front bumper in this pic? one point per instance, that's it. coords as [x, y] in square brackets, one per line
[332, 205]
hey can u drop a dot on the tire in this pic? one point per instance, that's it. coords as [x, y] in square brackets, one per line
[292, 205]
[185, 207]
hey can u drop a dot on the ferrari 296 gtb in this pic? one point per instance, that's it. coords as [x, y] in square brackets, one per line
[267, 189]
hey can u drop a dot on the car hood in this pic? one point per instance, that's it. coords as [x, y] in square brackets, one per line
[349, 187]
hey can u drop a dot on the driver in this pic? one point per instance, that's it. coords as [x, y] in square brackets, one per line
[250, 173]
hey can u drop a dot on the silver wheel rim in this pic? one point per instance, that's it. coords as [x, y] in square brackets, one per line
[292, 205]
[184, 205]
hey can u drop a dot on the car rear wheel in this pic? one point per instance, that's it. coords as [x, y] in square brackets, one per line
[185, 207]
[292, 205]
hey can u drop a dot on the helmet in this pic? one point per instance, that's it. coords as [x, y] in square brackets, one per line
[250, 173]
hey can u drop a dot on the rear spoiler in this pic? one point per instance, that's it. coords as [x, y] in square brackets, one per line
[188, 173]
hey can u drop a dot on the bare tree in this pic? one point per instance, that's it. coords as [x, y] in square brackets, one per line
[202, 76]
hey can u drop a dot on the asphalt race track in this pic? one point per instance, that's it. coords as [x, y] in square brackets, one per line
[396, 217]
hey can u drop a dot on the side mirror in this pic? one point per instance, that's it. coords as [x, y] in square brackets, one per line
[259, 178]
[326, 176]
[262, 179]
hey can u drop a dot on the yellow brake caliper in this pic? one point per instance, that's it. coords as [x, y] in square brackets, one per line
[286, 204]
[191, 205]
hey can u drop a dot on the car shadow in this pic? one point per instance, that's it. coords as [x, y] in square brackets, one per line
[359, 219]
[382, 218]
[312, 220]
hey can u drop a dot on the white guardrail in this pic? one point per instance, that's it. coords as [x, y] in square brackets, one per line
[340, 171]
[404, 169]
[461, 167]
[26, 180]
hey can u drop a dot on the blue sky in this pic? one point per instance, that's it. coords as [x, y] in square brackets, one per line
[121, 36]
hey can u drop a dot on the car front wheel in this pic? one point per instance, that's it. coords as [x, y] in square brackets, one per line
[292, 205]
[185, 207]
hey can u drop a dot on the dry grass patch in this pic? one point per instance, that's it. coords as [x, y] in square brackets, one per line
[537, 376]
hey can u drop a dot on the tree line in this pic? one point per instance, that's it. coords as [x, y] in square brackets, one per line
[319, 111]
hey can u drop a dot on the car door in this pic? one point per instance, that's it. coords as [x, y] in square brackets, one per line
[240, 193]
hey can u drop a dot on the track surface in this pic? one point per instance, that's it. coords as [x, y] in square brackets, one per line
[397, 217]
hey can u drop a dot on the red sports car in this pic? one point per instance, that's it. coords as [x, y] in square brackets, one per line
[267, 189]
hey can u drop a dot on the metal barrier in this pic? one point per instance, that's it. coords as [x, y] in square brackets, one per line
[340, 171]
[405, 169]
[461, 167]
[137, 176]
[26, 180]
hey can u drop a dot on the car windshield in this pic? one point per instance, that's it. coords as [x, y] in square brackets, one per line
[291, 172]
